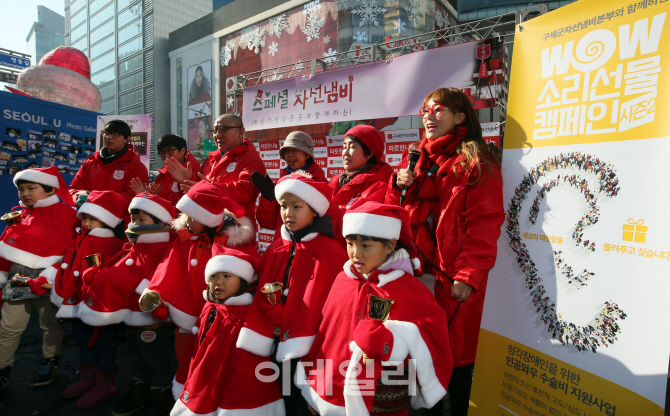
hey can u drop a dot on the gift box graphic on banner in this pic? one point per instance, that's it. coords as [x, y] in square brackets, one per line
[634, 231]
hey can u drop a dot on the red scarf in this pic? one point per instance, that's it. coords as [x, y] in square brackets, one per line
[438, 152]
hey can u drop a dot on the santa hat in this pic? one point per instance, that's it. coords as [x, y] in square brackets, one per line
[107, 206]
[154, 205]
[46, 176]
[207, 204]
[243, 264]
[316, 194]
[369, 136]
[373, 219]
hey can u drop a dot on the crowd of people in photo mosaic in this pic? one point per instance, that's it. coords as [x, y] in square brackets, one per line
[605, 329]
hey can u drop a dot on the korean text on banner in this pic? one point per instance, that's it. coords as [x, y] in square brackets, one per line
[576, 299]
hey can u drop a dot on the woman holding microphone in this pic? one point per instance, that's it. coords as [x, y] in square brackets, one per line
[454, 197]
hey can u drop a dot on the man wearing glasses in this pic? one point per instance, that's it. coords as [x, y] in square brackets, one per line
[112, 167]
[229, 167]
[172, 149]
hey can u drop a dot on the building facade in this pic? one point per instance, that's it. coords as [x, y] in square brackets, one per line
[254, 35]
[469, 10]
[127, 43]
[46, 34]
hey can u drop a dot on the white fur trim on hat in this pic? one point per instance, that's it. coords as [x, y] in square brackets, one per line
[37, 177]
[304, 191]
[198, 213]
[371, 225]
[100, 213]
[230, 264]
[147, 205]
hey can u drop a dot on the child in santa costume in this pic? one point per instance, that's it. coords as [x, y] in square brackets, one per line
[29, 248]
[112, 290]
[207, 217]
[222, 378]
[382, 258]
[101, 217]
[305, 261]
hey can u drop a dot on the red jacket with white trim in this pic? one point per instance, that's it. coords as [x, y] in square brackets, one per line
[371, 185]
[315, 264]
[232, 173]
[267, 213]
[67, 290]
[115, 176]
[180, 276]
[222, 377]
[169, 187]
[419, 329]
[466, 230]
[112, 289]
[40, 239]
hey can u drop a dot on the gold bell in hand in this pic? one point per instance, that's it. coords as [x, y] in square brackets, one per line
[379, 310]
[272, 292]
[94, 259]
[149, 301]
[11, 218]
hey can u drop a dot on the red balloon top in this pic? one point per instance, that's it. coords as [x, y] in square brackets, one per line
[70, 58]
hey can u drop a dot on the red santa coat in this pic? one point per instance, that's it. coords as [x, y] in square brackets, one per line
[371, 185]
[232, 173]
[419, 328]
[40, 239]
[112, 290]
[169, 187]
[466, 232]
[315, 265]
[67, 291]
[180, 276]
[115, 176]
[222, 378]
[267, 213]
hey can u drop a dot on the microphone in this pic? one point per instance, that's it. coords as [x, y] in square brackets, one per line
[413, 157]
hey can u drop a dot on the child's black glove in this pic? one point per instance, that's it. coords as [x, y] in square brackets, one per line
[264, 184]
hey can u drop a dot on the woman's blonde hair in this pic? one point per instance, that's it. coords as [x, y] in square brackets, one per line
[474, 148]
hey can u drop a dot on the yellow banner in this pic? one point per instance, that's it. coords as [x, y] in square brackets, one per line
[589, 73]
[513, 379]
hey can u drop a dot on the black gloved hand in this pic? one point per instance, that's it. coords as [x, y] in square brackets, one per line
[264, 184]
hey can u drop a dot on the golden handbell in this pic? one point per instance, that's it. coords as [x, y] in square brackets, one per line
[272, 292]
[94, 259]
[379, 310]
[149, 301]
[11, 218]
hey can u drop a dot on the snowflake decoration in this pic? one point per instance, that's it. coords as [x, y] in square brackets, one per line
[326, 40]
[440, 19]
[226, 55]
[230, 102]
[414, 10]
[312, 8]
[278, 24]
[342, 5]
[273, 49]
[298, 67]
[255, 39]
[329, 56]
[314, 24]
[360, 37]
[399, 26]
[274, 77]
[368, 12]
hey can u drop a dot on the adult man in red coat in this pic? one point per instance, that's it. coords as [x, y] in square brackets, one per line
[230, 166]
[111, 168]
